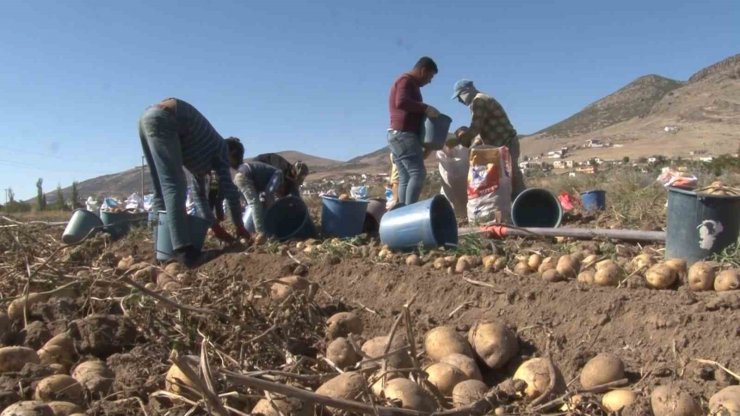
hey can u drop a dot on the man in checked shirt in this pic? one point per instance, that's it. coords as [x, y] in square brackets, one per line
[174, 134]
[489, 126]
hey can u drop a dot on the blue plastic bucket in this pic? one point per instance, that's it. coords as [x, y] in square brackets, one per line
[536, 207]
[594, 200]
[288, 219]
[116, 223]
[700, 225]
[248, 220]
[436, 130]
[342, 218]
[80, 225]
[197, 227]
[430, 223]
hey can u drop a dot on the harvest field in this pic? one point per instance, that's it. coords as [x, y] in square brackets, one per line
[505, 327]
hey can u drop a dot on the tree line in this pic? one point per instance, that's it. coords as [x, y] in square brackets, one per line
[61, 203]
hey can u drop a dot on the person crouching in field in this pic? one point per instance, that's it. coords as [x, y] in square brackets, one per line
[260, 184]
[174, 134]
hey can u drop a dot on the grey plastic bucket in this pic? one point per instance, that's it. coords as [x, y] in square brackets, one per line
[288, 219]
[430, 223]
[435, 131]
[700, 225]
[342, 218]
[197, 227]
[373, 215]
[82, 223]
[536, 207]
[117, 224]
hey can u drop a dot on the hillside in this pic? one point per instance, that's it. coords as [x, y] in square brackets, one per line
[655, 115]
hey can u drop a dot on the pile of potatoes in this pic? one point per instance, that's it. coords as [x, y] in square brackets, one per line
[59, 393]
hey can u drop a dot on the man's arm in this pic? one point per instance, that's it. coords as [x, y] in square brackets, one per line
[230, 193]
[479, 114]
[404, 101]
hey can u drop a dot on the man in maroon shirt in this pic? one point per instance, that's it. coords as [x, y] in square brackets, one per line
[407, 111]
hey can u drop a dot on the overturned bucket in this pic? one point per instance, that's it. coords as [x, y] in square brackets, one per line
[117, 224]
[288, 219]
[342, 218]
[197, 228]
[700, 225]
[82, 223]
[430, 223]
[536, 207]
[594, 200]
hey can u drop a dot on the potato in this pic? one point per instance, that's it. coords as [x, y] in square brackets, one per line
[489, 261]
[603, 368]
[522, 269]
[604, 264]
[439, 263]
[552, 275]
[348, 386]
[95, 377]
[468, 392]
[548, 263]
[341, 353]
[536, 373]
[280, 290]
[493, 342]
[678, 266]
[615, 400]
[15, 309]
[375, 347]
[671, 401]
[444, 340]
[567, 266]
[534, 261]
[589, 261]
[59, 350]
[640, 262]
[463, 265]
[64, 408]
[727, 280]
[377, 381]
[464, 363]
[14, 358]
[413, 260]
[342, 324]
[701, 276]
[28, 408]
[607, 275]
[727, 399]
[660, 276]
[444, 377]
[499, 264]
[409, 395]
[285, 405]
[59, 387]
[586, 276]
[177, 382]
[578, 256]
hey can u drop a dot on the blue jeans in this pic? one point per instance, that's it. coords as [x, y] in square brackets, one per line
[161, 145]
[408, 156]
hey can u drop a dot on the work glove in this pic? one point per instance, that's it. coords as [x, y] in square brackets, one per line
[431, 112]
[221, 234]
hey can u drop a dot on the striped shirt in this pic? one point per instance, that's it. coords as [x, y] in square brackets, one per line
[490, 122]
[203, 151]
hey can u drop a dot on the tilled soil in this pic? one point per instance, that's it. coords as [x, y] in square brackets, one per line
[659, 334]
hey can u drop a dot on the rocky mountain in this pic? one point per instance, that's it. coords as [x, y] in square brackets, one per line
[654, 115]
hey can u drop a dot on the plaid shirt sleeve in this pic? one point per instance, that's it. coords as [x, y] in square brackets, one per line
[479, 110]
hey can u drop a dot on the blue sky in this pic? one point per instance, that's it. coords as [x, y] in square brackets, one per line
[314, 75]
